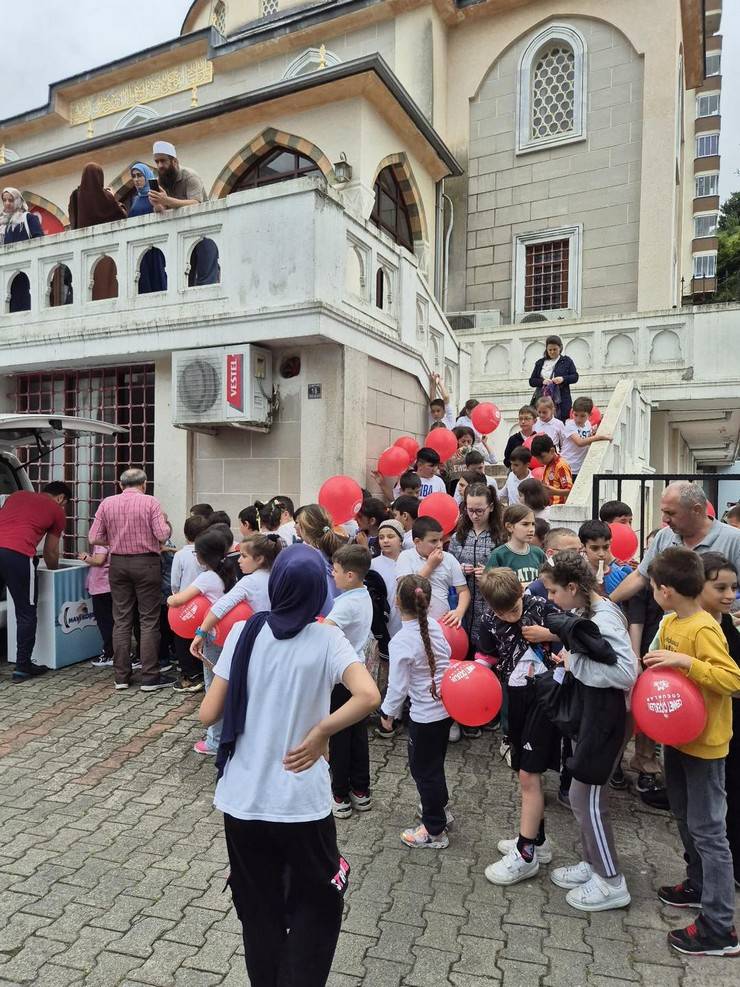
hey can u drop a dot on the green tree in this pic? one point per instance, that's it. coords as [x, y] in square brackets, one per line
[728, 253]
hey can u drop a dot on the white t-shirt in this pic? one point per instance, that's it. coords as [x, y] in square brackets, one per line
[287, 532]
[409, 675]
[251, 589]
[448, 573]
[289, 687]
[185, 568]
[511, 488]
[573, 454]
[554, 428]
[448, 418]
[352, 612]
[408, 539]
[210, 585]
[387, 569]
[434, 484]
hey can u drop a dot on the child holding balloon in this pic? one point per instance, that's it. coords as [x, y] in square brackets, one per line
[216, 580]
[691, 641]
[419, 656]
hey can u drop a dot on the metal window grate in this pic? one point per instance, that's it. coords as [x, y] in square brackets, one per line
[546, 276]
[91, 464]
[553, 93]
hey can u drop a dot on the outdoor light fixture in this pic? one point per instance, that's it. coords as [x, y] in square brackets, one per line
[342, 169]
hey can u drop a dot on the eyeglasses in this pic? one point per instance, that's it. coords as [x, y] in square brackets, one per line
[478, 510]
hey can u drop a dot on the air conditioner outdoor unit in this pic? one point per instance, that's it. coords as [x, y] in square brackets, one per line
[222, 386]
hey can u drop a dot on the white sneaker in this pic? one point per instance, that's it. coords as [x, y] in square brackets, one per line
[449, 818]
[544, 852]
[341, 808]
[573, 876]
[102, 662]
[512, 869]
[455, 733]
[361, 802]
[598, 896]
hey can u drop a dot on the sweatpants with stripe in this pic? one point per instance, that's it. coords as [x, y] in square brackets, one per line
[18, 572]
[590, 805]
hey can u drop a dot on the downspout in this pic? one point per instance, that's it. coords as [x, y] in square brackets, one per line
[448, 236]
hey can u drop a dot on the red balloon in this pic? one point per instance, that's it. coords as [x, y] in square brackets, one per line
[410, 445]
[185, 619]
[442, 441]
[668, 707]
[485, 417]
[443, 508]
[471, 693]
[595, 416]
[538, 472]
[710, 510]
[624, 542]
[242, 611]
[534, 462]
[341, 498]
[457, 640]
[393, 461]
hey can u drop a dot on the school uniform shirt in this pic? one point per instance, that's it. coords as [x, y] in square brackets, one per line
[185, 568]
[386, 568]
[554, 428]
[352, 612]
[712, 669]
[526, 565]
[251, 589]
[571, 453]
[448, 418]
[210, 584]
[409, 674]
[558, 474]
[447, 574]
[289, 685]
[511, 487]
[287, 532]
[408, 539]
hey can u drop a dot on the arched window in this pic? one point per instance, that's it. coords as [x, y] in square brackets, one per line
[105, 279]
[281, 164]
[203, 267]
[390, 211]
[19, 297]
[152, 274]
[219, 17]
[552, 90]
[380, 288]
[60, 286]
[137, 114]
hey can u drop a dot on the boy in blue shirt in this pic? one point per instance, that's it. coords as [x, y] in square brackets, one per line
[596, 538]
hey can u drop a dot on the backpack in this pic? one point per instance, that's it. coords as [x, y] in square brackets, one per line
[375, 585]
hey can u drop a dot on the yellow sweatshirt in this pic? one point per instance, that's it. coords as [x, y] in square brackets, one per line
[713, 670]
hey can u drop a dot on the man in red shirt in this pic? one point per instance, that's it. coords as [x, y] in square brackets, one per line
[133, 527]
[25, 518]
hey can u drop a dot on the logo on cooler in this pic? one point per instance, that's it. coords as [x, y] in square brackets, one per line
[76, 615]
[234, 376]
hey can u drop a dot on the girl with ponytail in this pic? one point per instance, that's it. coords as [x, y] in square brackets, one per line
[419, 656]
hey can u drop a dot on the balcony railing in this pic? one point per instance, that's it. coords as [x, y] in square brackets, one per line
[293, 263]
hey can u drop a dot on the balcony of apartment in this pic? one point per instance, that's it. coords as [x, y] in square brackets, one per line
[286, 262]
[712, 16]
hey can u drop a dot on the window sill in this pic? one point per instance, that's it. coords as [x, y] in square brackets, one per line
[546, 145]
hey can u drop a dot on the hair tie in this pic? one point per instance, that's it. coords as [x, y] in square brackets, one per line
[326, 528]
[551, 560]
[419, 591]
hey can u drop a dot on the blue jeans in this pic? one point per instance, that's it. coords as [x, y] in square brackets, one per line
[212, 652]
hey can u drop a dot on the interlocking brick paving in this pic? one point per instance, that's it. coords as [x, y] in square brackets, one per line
[112, 864]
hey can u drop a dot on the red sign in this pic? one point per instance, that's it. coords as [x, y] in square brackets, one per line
[234, 377]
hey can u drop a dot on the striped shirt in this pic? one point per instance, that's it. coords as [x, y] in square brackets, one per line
[129, 523]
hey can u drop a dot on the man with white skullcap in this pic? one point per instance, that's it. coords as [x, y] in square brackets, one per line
[182, 187]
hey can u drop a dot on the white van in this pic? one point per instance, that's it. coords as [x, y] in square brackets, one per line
[46, 433]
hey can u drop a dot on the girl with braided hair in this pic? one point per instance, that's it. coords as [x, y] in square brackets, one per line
[419, 656]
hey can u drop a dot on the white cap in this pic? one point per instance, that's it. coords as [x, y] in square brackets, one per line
[164, 147]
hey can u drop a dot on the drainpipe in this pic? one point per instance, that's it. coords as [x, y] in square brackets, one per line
[438, 246]
[448, 236]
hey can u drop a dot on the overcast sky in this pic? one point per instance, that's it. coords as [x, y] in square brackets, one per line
[70, 38]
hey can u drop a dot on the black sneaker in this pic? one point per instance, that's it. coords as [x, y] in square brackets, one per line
[647, 783]
[163, 682]
[681, 895]
[384, 734]
[697, 942]
[185, 684]
[472, 733]
[657, 799]
[617, 781]
[28, 672]
[165, 666]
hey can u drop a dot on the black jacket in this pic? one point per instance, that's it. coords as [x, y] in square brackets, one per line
[564, 368]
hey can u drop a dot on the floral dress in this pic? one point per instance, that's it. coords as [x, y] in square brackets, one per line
[473, 551]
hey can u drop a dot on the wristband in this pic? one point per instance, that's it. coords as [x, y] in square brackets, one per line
[200, 632]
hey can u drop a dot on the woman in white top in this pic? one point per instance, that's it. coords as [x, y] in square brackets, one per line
[216, 579]
[272, 685]
[419, 657]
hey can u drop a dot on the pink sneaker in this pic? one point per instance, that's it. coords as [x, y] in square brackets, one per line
[202, 748]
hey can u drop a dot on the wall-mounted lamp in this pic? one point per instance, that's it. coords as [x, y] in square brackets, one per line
[343, 169]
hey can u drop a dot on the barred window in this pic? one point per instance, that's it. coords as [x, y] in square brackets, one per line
[270, 7]
[553, 92]
[546, 275]
[219, 17]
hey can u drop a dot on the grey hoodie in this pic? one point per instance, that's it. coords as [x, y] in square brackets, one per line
[613, 626]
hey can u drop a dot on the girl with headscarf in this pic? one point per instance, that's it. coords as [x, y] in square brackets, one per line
[152, 271]
[272, 685]
[16, 221]
[91, 203]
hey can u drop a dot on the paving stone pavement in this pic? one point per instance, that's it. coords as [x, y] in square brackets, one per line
[112, 864]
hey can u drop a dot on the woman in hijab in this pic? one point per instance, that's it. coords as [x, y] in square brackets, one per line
[16, 221]
[272, 685]
[152, 272]
[91, 203]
